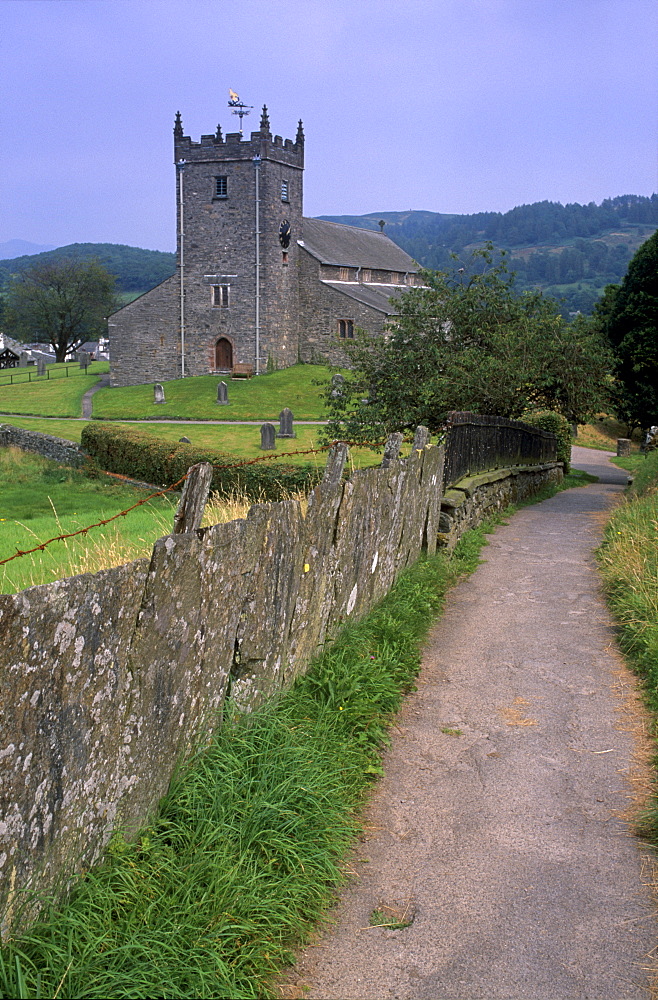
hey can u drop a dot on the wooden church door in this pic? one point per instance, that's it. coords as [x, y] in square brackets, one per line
[224, 355]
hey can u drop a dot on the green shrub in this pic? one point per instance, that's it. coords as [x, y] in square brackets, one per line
[131, 452]
[554, 422]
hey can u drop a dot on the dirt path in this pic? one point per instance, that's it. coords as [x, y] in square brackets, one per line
[503, 841]
[87, 399]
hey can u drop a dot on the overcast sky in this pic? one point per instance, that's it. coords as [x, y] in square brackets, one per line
[444, 105]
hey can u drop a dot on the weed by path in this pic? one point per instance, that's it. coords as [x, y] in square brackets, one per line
[628, 558]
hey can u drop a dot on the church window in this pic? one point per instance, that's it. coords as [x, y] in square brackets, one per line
[220, 295]
[343, 274]
[284, 191]
[346, 329]
[366, 274]
[221, 187]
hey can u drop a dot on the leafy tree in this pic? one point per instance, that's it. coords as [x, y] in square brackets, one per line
[64, 303]
[467, 341]
[628, 316]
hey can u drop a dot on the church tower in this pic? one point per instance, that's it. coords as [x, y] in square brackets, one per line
[239, 216]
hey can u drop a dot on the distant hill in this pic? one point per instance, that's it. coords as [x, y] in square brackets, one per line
[569, 251]
[20, 248]
[136, 270]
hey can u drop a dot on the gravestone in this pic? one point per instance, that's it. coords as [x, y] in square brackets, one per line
[267, 438]
[623, 447]
[22, 361]
[337, 385]
[41, 366]
[83, 358]
[184, 440]
[285, 424]
[222, 394]
[158, 394]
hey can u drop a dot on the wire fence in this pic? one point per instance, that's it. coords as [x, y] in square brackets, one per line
[24, 375]
[473, 444]
[476, 443]
[169, 489]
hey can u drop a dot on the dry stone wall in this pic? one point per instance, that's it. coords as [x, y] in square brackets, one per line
[107, 679]
[47, 445]
[474, 498]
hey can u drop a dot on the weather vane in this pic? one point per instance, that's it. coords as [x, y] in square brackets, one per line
[238, 107]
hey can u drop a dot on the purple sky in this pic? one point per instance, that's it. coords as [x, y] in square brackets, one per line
[445, 105]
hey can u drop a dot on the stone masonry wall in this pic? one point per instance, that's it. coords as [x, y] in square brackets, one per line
[321, 307]
[145, 337]
[470, 501]
[108, 678]
[56, 448]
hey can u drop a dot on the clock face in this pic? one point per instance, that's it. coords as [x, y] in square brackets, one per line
[284, 234]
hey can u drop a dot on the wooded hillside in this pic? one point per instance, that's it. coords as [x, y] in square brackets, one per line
[569, 251]
[136, 270]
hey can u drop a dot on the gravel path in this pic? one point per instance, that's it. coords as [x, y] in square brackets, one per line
[504, 842]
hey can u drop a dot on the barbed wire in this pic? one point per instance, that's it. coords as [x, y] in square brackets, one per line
[98, 524]
[169, 489]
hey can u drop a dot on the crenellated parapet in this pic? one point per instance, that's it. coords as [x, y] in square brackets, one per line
[235, 145]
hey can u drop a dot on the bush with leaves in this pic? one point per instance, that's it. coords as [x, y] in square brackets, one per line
[131, 452]
[554, 422]
[628, 316]
[467, 341]
[63, 303]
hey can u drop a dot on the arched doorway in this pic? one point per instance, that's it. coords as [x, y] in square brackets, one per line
[224, 355]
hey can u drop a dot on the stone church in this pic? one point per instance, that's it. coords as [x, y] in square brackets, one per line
[257, 285]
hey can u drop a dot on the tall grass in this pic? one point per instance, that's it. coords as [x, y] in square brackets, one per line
[40, 499]
[629, 563]
[248, 847]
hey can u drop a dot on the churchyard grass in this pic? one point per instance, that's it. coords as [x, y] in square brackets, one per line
[18, 376]
[40, 499]
[68, 429]
[239, 441]
[248, 847]
[60, 397]
[260, 398]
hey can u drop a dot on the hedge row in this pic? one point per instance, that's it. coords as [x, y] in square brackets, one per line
[549, 420]
[131, 452]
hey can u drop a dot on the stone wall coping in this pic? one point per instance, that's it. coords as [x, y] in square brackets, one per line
[458, 492]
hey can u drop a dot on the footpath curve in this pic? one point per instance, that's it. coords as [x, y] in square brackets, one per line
[506, 846]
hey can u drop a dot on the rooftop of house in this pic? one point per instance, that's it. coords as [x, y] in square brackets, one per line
[348, 246]
[376, 296]
[7, 344]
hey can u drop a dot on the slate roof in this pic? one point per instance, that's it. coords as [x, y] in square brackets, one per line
[6, 343]
[377, 296]
[348, 246]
